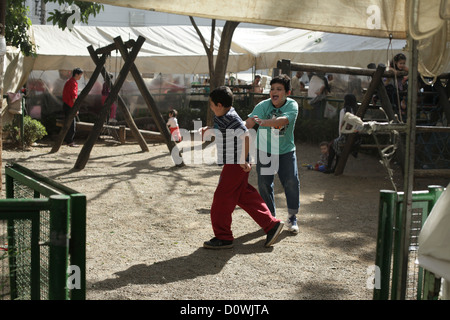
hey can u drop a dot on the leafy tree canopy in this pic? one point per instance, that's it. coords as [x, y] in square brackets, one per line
[18, 24]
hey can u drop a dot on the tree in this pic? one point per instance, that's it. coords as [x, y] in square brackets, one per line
[18, 24]
[218, 70]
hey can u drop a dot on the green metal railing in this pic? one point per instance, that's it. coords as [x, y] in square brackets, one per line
[52, 236]
[34, 257]
[389, 251]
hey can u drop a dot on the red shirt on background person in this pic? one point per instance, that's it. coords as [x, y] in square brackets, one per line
[70, 91]
[70, 94]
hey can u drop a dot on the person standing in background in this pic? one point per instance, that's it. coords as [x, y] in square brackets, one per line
[70, 94]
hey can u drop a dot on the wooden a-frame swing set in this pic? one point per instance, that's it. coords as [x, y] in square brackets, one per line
[128, 66]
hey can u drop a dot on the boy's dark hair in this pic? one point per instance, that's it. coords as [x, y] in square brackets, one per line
[324, 143]
[174, 112]
[76, 71]
[284, 80]
[222, 95]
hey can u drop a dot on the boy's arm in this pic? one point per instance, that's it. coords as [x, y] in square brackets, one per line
[244, 154]
[277, 122]
[208, 130]
[250, 122]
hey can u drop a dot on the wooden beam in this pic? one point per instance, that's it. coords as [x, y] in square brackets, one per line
[310, 67]
[385, 127]
[432, 173]
[145, 133]
[151, 104]
[122, 106]
[83, 157]
[111, 47]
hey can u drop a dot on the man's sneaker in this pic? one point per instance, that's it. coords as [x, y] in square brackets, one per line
[273, 234]
[215, 243]
[291, 224]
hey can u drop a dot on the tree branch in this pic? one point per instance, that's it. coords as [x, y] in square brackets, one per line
[202, 39]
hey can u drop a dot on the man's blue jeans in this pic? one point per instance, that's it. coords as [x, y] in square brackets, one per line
[286, 166]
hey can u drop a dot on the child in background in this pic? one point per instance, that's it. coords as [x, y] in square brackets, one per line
[321, 165]
[397, 87]
[172, 123]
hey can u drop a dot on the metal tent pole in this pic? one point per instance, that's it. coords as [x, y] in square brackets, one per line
[408, 176]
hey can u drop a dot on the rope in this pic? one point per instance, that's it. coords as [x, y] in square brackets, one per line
[386, 155]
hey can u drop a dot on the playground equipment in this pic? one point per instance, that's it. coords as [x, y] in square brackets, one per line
[128, 67]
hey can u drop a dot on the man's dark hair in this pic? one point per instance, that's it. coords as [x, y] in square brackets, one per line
[284, 80]
[222, 95]
[76, 71]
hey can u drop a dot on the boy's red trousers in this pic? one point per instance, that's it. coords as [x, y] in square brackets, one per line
[233, 189]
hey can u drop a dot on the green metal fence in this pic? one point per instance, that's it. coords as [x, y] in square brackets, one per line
[389, 251]
[43, 238]
[36, 261]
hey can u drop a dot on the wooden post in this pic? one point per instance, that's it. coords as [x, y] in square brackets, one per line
[67, 122]
[285, 66]
[360, 113]
[151, 104]
[122, 134]
[121, 103]
[83, 157]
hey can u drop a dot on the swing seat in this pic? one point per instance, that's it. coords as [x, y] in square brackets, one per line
[351, 123]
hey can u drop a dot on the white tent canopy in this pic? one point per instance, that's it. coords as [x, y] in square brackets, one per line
[177, 49]
[304, 46]
[167, 49]
[375, 18]
[426, 21]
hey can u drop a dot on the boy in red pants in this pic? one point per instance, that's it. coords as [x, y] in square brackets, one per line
[232, 143]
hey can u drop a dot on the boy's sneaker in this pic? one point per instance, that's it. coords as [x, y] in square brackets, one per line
[273, 234]
[291, 224]
[215, 243]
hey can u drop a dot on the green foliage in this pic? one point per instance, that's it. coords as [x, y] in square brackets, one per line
[61, 18]
[18, 24]
[33, 131]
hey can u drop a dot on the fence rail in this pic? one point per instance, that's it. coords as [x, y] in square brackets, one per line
[43, 236]
[389, 249]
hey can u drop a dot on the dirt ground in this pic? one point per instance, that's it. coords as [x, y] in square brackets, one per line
[147, 220]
